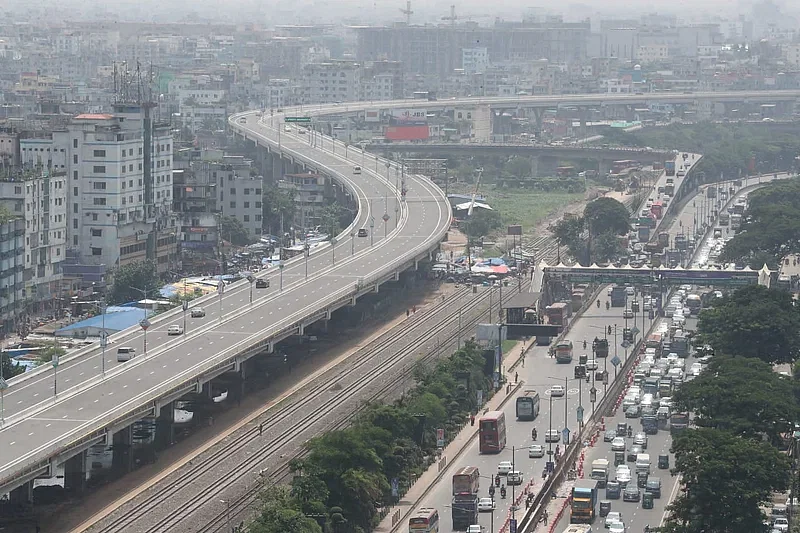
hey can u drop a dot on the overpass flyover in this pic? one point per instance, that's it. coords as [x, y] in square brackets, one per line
[97, 399]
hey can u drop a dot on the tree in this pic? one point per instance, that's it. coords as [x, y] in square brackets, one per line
[519, 167]
[279, 514]
[234, 231]
[754, 321]
[569, 232]
[10, 368]
[740, 395]
[331, 218]
[277, 203]
[606, 215]
[481, 223]
[726, 480]
[130, 280]
[606, 247]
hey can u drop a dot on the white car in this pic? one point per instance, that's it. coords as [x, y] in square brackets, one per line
[535, 451]
[612, 517]
[616, 527]
[627, 313]
[623, 474]
[618, 444]
[591, 364]
[486, 505]
[552, 435]
[630, 291]
[287, 129]
[175, 330]
[781, 524]
[695, 369]
[514, 478]
[504, 468]
[198, 312]
[475, 528]
[556, 391]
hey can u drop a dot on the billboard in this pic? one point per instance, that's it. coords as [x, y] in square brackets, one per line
[407, 133]
[515, 230]
[409, 115]
[372, 116]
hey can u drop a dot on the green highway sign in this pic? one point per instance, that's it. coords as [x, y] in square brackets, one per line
[299, 120]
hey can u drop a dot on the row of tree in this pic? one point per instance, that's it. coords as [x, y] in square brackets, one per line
[604, 220]
[744, 413]
[346, 476]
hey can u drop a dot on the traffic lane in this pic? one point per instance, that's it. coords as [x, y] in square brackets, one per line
[536, 375]
[34, 390]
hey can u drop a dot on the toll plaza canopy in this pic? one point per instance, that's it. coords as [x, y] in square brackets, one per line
[644, 275]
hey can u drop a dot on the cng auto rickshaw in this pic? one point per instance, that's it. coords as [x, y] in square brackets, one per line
[647, 500]
[641, 480]
[619, 458]
[605, 508]
[663, 461]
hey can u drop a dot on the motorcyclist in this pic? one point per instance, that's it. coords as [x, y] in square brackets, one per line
[497, 480]
[503, 491]
[584, 344]
[491, 491]
[534, 434]
[630, 432]
[598, 303]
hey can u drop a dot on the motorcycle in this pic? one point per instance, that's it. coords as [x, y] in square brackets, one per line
[598, 303]
[497, 481]
[608, 306]
[503, 492]
[533, 434]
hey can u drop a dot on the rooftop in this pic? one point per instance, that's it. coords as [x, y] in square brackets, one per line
[94, 116]
[116, 319]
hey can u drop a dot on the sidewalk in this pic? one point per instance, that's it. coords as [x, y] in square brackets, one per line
[397, 518]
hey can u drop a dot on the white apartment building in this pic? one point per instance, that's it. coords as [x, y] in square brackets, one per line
[334, 81]
[309, 197]
[379, 87]
[40, 196]
[652, 53]
[474, 60]
[239, 192]
[791, 52]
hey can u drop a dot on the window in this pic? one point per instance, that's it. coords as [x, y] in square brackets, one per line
[102, 153]
[75, 159]
[247, 218]
[94, 217]
[101, 185]
[258, 218]
[97, 251]
[74, 174]
[140, 151]
[247, 205]
[258, 205]
[75, 239]
[100, 201]
[247, 191]
[130, 167]
[233, 205]
[233, 191]
[123, 152]
[99, 169]
[75, 143]
[258, 192]
[130, 183]
[18, 189]
[74, 208]
[75, 192]
[97, 232]
[74, 223]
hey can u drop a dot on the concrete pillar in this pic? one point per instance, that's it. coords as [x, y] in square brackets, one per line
[121, 450]
[165, 429]
[277, 167]
[538, 113]
[207, 391]
[243, 373]
[75, 473]
[534, 165]
[22, 495]
[603, 167]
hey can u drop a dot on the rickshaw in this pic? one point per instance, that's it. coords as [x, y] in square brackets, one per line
[605, 508]
[663, 461]
[647, 501]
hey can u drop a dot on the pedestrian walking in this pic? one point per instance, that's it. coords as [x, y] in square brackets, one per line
[516, 377]
[261, 429]
[471, 420]
[408, 313]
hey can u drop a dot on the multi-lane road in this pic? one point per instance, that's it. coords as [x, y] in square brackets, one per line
[38, 423]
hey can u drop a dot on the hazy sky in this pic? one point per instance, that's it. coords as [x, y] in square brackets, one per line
[268, 12]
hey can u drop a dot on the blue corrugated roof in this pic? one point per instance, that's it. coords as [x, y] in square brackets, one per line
[116, 319]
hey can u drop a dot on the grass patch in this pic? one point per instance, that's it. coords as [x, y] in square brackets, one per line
[528, 208]
[509, 345]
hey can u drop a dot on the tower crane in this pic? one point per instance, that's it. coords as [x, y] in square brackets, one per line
[407, 12]
[452, 18]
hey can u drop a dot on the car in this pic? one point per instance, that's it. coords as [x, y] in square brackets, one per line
[175, 330]
[613, 516]
[504, 467]
[632, 412]
[695, 369]
[781, 524]
[640, 439]
[617, 527]
[631, 493]
[633, 452]
[618, 444]
[514, 478]
[486, 505]
[665, 401]
[262, 284]
[475, 528]
[591, 364]
[552, 435]
[630, 291]
[609, 435]
[627, 313]
[623, 475]
[362, 232]
[609, 290]
[287, 129]
[557, 391]
[198, 312]
[535, 451]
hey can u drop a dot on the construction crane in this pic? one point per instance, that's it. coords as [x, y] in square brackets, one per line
[475, 192]
[452, 18]
[407, 12]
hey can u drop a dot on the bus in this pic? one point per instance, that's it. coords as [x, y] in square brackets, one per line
[724, 219]
[624, 167]
[565, 172]
[564, 352]
[657, 209]
[466, 481]
[694, 303]
[654, 341]
[492, 431]
[425, 520]
[528, 406]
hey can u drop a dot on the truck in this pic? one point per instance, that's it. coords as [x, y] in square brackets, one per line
[681, 242]
[578, 528]
[736, 221]
[584, 502]
[680, 344]
[558, 313]
[724, 219]
[466, 481]
[678, 422]
[669, 189]
[464, 511]
[650, 424]
[618, 296]
[600, 472]
[711, 192]
[600, 348]
[643, 233]
[564, 352]
[669, 167]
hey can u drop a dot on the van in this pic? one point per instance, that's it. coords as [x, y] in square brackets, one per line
[356, 170]
[125, 353]
[643, 463]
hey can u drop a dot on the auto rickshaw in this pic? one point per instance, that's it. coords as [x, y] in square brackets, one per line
[635, 306]
[641, 480]
[663, 461]
[619, 458]
[582, 359]
[605, 508]
[613, 490]
[647, 501]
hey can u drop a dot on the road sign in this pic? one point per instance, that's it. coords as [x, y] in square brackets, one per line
[385, 217]
[251, 278]
[512, 525]
[298, 120]
[145, 324]
[371, 222]
[635, 330]
[580, 414]
[221, 287]
[625, 344]
[333, 241]
[565, 435]
[615, 360]
[440, 438]
[54, 362]
[185, 305]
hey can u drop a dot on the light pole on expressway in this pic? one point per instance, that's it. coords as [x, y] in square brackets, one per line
[144, 323]
[352, 243]
[307, 252]
[251, 278]
[333, 249]
[281, 267]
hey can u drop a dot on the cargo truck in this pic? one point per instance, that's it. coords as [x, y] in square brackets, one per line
[678, 422]
[669, 167]
[618, 296]
[600, 472]
[584, 501]
[643, 233]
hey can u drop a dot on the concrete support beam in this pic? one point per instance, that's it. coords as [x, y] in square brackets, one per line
[75, 473]
[165, 428]
[534, 165]
[22, 495]
[121, 450]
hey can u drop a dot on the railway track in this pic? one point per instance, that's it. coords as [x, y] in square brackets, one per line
[379, 363]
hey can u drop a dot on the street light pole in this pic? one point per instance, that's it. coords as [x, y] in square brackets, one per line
[103, 340]
[333, 249]
[352, 243]
[280, 267]
[307, 250]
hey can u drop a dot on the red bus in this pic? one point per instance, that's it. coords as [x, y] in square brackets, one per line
[492, 432]
[657, 208]
[425, 520]
[565, 172]
[624, 167]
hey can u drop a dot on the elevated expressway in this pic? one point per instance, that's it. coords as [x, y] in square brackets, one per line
[98, 397]
[42, 430]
